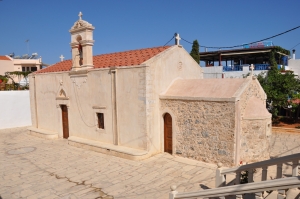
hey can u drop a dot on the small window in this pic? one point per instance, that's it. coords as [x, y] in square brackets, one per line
[100, 117]
[33, 68]
[23, 68]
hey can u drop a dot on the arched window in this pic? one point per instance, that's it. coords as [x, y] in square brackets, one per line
[79, 38]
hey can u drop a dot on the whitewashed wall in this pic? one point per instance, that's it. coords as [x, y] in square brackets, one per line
[14, 109]
[217, 71]
[294, 65]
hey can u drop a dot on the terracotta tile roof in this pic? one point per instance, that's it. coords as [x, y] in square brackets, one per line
[126, 58]
[295, 101]
[4, 58]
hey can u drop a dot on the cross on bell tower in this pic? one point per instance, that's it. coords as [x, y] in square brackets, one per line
[82, 44]
[80, 15]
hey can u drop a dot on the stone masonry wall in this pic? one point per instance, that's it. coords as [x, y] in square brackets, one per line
[253, 89]
[255, 140]
[204, 130]
[255, 134]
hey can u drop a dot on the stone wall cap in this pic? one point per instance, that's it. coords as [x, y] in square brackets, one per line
[165, 97]
[208, 89]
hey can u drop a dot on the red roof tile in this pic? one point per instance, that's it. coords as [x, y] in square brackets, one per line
[295, 101]
[4, 58]
[126, 58]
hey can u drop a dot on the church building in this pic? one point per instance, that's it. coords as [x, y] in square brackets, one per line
[139, 103]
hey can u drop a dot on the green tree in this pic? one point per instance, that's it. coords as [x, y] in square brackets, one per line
[281, 89]
[195, 51]
[16, 74]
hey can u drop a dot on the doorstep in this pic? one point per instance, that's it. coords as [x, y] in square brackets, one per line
[41, 133]
[285, 130]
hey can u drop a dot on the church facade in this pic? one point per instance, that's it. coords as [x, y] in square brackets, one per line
[138, 103]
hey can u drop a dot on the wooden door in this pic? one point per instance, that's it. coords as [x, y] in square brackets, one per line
[168, 133]
[65, 121]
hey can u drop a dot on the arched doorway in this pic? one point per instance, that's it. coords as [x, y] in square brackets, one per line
[168, 133]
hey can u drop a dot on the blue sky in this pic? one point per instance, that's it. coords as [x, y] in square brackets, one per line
[132, 24]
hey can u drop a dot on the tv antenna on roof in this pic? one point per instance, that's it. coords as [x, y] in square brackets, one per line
[27, 41]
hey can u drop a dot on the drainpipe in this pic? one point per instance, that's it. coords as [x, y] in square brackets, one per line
[114, 108]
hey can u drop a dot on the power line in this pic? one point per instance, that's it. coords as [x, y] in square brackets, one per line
[170, 40]
[294, 46]
[248, 43]
[186, 41]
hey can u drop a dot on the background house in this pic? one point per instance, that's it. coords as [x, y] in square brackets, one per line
[17, 63]
[236, 63]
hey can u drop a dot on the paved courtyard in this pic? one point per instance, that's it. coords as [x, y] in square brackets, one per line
[32, 167]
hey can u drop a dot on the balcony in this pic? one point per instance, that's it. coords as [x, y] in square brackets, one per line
[246, 67]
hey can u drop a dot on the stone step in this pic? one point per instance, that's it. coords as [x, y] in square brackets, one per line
[285, 130]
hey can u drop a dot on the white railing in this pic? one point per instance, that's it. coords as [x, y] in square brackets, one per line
[257, 188]
[221, 173]
[279, 184]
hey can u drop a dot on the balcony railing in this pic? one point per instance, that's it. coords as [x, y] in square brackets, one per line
[240, 67]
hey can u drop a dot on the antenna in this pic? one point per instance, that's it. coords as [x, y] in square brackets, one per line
[12, 55]
[27, 41]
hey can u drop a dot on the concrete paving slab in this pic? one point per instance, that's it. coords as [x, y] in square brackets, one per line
[55, 169]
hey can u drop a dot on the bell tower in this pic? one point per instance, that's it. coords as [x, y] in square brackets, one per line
[82, 44]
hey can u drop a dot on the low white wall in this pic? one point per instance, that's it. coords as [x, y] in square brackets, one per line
[14, 109]
[212, 72]
[294, 65]
[239, 74]
[217, 71]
